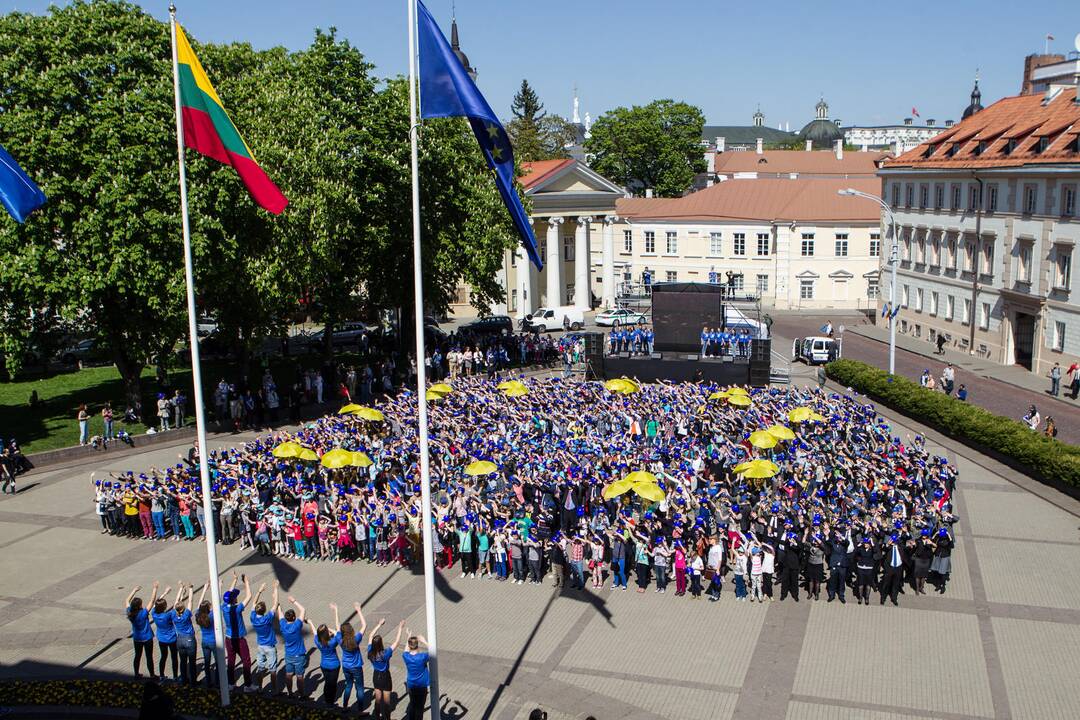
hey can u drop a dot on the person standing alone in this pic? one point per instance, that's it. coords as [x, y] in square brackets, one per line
[1055, 379]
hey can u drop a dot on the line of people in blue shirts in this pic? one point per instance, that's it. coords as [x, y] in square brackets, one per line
[175, 632]
[719, 342]
[636, 341]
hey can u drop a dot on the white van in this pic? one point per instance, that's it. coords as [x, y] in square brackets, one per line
[553, 319]
[815, 350]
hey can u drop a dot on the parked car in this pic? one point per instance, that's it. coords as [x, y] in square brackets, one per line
[348, 335]
[85, 351]
[620, 316]
[815, 350]
[494, 324]
[558, 318]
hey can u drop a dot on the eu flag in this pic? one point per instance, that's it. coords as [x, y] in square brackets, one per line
[18, 192]
[446, 90]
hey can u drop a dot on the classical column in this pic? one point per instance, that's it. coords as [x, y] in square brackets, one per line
[554, 263]
[582, 291]
[608, 274]
[525, 282]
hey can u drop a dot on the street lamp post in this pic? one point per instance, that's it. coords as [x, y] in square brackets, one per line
[894, 260]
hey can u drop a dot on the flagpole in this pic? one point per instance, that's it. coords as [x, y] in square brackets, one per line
[421, 373]
[196, 380]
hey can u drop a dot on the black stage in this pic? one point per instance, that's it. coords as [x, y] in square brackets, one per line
[677, 368]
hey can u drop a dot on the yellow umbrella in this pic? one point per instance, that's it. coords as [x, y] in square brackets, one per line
[510, 385]
[617, 488]
[719, 395]
[737, 391]
[739, 400]
[760, 469]
[441, 388]
[350, 408]
[360, 459]
[817, 417]
[650, 491]
[800, 414]
[622, 385]
[481, 467]
[432, 395]
[781, 432]
[517, 392]
[369, 413]
[287, 450]
[741, 467]
[639, 476]
[307, 454]
[336, 458]
[762, 439]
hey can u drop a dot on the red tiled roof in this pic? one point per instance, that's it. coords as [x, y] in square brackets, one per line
[539, 170]
[767, 199]
[1023, 119]
[815, 162]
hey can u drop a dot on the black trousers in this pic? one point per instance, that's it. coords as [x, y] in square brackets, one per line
[417, 700]
[329, 692]
[836, 583]
[890, 582]
[789, 582]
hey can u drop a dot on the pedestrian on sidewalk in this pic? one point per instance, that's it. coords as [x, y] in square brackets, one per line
[1055, 379]
[1074, 379]
[84, 425]
[1032, 419]
[962, 393]
[1051, 427]
[948, 378]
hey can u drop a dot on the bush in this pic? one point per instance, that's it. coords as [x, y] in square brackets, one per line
[1048, 459]
[196, 701]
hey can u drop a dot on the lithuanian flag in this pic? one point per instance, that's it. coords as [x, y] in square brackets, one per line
[208, 129]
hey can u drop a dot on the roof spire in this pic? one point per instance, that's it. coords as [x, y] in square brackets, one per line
[576, 118]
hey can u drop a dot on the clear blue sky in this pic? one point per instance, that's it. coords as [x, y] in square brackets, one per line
[872, 61]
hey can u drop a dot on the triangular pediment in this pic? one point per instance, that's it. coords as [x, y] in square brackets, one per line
[575, 178]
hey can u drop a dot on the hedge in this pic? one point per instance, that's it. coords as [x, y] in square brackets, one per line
[129, 694]
[1047, 459]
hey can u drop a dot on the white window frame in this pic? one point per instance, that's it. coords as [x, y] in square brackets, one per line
[650, 242]
[1062, 268]
[568, 248]
[671, 238]
[763, 238]
[628, 241]
[933, 302]
[918, 299]
[1024, 258]
[984, 316]
[1068, 201]
[1031, 199]
[873, 288]
[806, 288]
[1059, 335]
[965, 317]
[807, 247]
[762, 285]
[950, 307]
[738, 244]
[840, 249]
[905, 295]
[875, 244]
[672, 275]
[716, 243]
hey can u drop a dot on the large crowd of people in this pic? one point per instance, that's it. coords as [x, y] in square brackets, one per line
[852, 506]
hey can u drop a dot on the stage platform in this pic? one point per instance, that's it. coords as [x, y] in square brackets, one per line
[677, 368]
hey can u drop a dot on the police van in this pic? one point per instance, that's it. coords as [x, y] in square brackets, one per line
[815, 350]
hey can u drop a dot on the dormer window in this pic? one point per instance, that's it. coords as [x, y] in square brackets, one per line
[1010, 145]
[929, 150]
[980, 148]
[1044, 142]
[953, 149]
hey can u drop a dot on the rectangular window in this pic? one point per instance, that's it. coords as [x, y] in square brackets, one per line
[513, 299]
[806, 289]
[568, 248]
[716, 244]
[907, 248]
[762, 244]
[966, 317]
[627, 241]
[872, 288]
[808, 244]
[935, 251]
[1063, 269]
[1024, 260]
[953, 256]
[841, 244]
[950, 307]
[933, 302]
[973, 197]
[673, 276]
[969, 264]
[939, 196]
[922, 251]
[740, 243]
[991, 197]
[650, 242]
[988, 258]
[896, 195]
[984, 316]
[513, 259]
[737, 282]
[875, 244]
[905, 294]
[924, 196]
[909, 196]
[1031, 198]
[672, 243]
[918, 299]
[762, 285]
[955, 197]
[1059, 335]
[1068, 201]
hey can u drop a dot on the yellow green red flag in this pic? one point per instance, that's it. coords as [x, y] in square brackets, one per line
[209, 130]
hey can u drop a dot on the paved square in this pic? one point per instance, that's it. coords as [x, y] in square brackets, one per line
[1040, 661]
[659, 697]
[1016, 515]
[816, 711]
[1030, 573]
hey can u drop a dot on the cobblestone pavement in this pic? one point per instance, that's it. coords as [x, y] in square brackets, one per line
[1003, 642]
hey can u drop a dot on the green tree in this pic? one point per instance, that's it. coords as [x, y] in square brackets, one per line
[655, 146]
[535, 134]
[87, 106]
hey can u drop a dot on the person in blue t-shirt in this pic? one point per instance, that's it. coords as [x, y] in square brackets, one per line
[141, 634]
[291, 625]
[417, 677]
[185, 635]
[649, 337]
[265, 639]
[204, 618]
[704, 341]
[232, 614]
[329, 663]
[379, 656]
[352, 659]
[166, 634]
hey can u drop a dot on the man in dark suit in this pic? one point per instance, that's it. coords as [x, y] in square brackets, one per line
[836, 551]
[893, 560]
[788, 553]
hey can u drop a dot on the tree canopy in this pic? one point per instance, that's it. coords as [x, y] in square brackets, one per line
[535, 134]
[655, 146]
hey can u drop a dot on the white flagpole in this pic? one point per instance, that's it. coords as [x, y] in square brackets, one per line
[421, 374]
[196, 380]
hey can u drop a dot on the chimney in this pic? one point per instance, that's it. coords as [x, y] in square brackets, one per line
[710, 162]
[720, 143]
[931, 122]
[809, 145]
[760, 146]
[839, 149]
[949, 123]
[648, 192]
[907, 121]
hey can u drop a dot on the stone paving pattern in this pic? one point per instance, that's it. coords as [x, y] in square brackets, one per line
[1003, 642]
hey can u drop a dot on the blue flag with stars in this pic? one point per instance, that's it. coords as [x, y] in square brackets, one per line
[18, 193]
[446, 90]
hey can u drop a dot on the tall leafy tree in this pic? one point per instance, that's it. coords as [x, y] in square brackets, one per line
[534, 133]
[654, 146]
